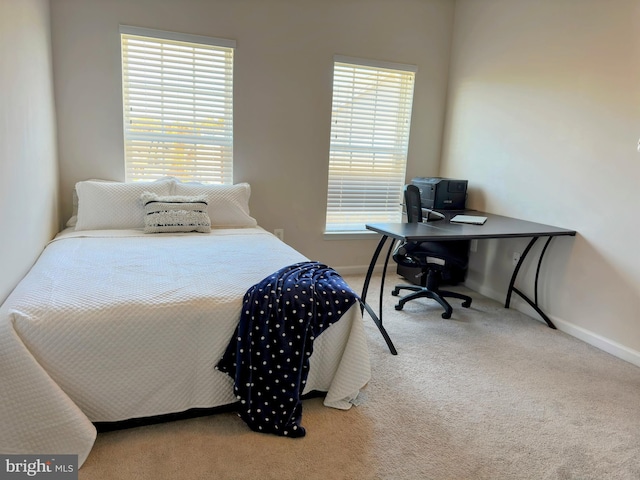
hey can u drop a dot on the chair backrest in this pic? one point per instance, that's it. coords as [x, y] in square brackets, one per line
[412, 203]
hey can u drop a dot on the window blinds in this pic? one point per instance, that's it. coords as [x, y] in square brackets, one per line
[370, 122]
[178, 106]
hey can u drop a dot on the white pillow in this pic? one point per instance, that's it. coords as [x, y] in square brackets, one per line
[115, 205]
[228, 204]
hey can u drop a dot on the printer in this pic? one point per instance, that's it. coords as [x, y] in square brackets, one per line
[437, 193]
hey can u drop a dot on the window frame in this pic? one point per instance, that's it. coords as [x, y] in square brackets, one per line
[375, 142]
[183, 117]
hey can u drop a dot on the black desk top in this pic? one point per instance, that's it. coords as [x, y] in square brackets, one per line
[496, 226]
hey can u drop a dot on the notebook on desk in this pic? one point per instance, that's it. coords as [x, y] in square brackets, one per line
[472, 219]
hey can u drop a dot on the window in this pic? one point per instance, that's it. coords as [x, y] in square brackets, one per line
[370, 122]
[178, 106]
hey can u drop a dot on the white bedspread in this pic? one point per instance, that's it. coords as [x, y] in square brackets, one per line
[111, 325]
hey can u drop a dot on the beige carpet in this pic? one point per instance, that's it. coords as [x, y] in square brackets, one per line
[488, 394]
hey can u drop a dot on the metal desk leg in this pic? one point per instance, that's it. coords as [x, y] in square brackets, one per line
[512, 288]
[364, 306]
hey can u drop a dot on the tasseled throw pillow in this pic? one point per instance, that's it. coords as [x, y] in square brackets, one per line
[176, 213]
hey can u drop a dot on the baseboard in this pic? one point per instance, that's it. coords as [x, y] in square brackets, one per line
[605, 344]
[362, 269]
[355, 270]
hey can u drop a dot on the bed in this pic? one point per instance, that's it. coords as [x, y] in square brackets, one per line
[113, 323]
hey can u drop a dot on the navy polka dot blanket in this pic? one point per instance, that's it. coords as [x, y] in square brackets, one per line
[268, 356]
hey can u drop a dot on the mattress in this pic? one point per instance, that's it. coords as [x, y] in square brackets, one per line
[111, 325]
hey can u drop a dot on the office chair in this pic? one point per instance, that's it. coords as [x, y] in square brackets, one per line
[440, 262]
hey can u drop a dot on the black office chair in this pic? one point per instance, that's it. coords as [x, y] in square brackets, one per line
[439, 262]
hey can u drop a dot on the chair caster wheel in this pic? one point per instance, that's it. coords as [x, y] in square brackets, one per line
[466, 304]
[399, 307]
[446, 315]
[395, 293]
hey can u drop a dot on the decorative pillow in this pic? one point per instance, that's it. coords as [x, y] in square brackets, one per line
[228, 204]
[175, 213]
[115, 205]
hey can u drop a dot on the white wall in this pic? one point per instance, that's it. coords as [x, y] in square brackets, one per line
[282, 88]
[544, 119]
[28, 166]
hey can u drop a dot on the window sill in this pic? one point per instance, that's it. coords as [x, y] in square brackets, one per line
[357, 235]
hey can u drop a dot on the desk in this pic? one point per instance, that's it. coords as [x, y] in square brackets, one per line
[496, 226]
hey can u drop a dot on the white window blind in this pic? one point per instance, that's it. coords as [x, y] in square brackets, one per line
[370, 122]
[178, 106]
